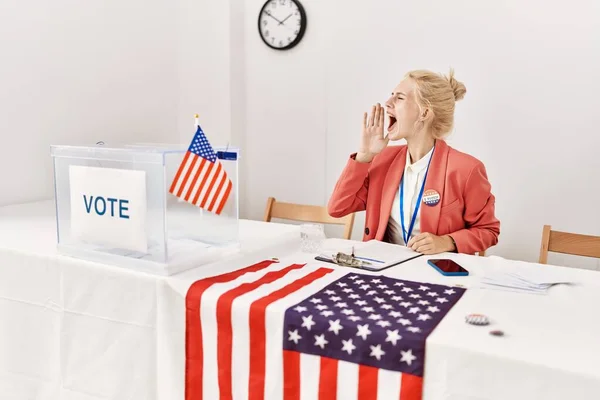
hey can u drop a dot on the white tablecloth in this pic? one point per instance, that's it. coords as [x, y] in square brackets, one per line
[78, 330]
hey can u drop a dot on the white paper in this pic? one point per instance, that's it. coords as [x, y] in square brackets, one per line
[382, 254]
[108, 207]
[521, 280]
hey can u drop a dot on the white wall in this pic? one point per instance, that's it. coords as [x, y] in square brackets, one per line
[532, 71]
[203, 59]
[285, 129]
[211, 73]
[79, 72]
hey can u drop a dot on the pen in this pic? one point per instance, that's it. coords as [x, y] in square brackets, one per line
[364, 258]
[369, 259]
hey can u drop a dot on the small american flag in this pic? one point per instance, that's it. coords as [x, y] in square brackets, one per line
[303, 331]
[201, 178]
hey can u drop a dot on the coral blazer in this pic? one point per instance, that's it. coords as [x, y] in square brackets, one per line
[465, 211]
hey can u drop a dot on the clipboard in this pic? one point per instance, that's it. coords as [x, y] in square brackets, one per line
[363, 266]
[372, 256]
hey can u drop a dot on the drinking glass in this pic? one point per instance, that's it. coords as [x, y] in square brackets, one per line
[312, 237]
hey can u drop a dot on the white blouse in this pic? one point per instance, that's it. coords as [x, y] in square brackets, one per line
[414, 174]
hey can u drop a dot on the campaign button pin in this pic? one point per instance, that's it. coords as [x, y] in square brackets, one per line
[431, 197]
[477, 319]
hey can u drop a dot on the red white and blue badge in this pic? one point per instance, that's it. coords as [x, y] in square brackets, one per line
[431, 197]
[477, 319]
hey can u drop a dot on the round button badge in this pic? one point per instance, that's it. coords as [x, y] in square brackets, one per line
[431, 197]
[477, 319]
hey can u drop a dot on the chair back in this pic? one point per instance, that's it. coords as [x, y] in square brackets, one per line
[568, 243]
[306, 213]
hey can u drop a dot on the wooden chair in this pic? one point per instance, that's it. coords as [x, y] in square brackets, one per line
[306, 213]
[568, 243]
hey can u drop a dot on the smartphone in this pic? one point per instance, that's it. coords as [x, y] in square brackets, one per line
[448, 267]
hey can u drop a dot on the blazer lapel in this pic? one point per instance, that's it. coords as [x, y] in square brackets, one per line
[436, 180]
[390, 188]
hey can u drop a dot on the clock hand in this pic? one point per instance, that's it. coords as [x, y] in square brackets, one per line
[270, 15]
[281, 22]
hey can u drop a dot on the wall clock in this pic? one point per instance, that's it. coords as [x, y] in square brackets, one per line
[281, 23]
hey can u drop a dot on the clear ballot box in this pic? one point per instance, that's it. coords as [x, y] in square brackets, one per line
[113, 206]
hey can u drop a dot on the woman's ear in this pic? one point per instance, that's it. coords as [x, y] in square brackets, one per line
[425, 114]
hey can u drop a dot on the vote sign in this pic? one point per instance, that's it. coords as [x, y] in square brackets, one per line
[108, 207]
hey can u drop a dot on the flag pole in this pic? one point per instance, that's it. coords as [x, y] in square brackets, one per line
[196, 124]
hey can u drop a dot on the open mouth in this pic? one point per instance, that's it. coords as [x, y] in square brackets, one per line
[391, 123]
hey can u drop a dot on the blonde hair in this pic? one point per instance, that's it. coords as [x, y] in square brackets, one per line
[439, 94]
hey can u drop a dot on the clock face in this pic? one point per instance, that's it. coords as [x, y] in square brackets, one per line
[281, 23]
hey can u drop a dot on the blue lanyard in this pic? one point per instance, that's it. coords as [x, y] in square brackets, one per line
[405, 234]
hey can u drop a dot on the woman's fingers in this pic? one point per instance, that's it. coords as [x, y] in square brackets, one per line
[375, 118]
[372, 117]
[425, 249]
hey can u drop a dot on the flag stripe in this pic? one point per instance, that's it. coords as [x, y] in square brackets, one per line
[192, 170]
[194, 352]
[213, 179]
[388, 385]
[367, 383]
[225, 197]
[201, 187]
[187, 176]
[347, 380]
[328, 379]
[216, 194]
[210, 177]
[225, 331]
[192, 187]
[256, 382]
[179, 172]
[310, 367]
[411, 387]
[219, 188]
[291, 375]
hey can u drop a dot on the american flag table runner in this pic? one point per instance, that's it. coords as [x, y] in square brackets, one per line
[297, 332]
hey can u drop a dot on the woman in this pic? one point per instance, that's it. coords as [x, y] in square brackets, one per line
[424, 194]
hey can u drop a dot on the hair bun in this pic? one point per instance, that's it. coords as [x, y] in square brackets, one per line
[458, 88]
